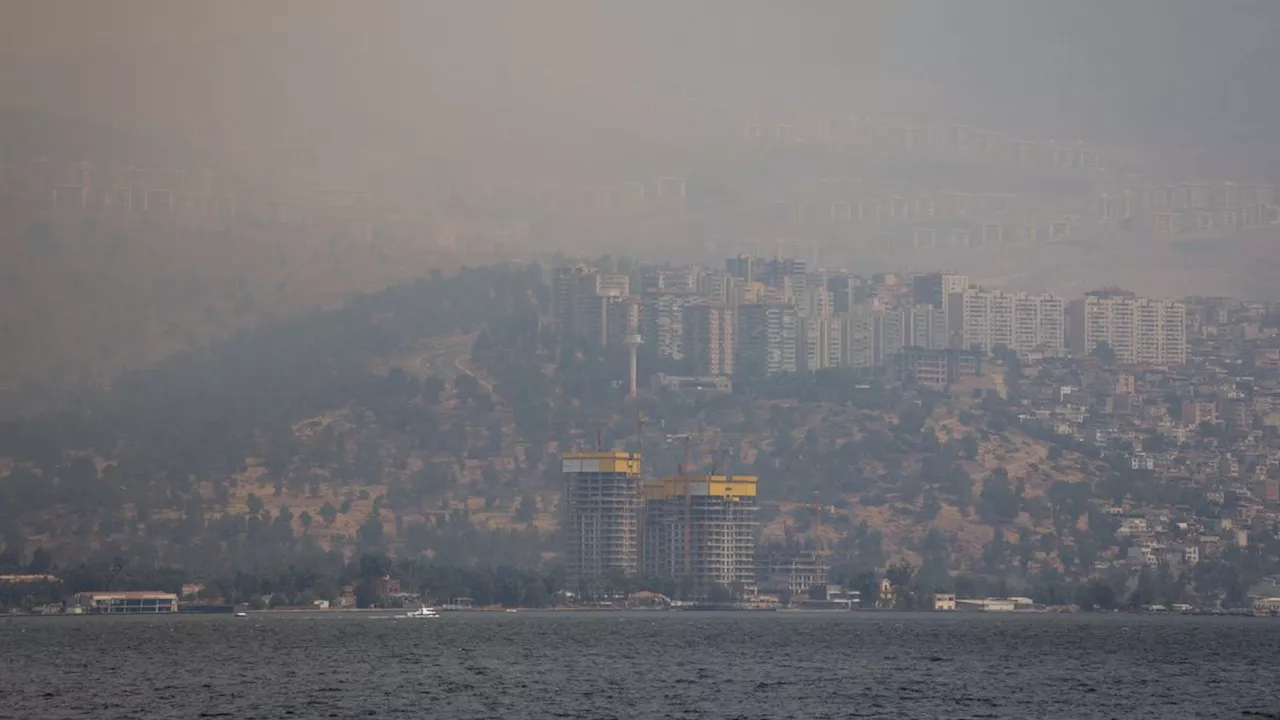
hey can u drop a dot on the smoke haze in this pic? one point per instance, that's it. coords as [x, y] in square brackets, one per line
[473, 125]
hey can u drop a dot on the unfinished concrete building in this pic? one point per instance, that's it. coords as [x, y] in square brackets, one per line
[602, 512]
[701, 530]
[794, 571]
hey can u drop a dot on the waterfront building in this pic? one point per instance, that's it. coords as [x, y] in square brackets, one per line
[700, 529]
[601, 515]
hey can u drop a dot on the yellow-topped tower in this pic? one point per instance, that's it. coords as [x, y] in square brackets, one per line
[602, 503]
[701, 529]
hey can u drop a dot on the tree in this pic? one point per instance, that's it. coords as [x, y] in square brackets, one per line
[525, 511]
[41, 562]
[998, 502]
[995, 554]
[254, 503]
[930, 506]
[720, 594]
[960, 486]
[911, 420]
[305, 519]
[370, 537]
[1104, 353]
[1096, 595]
[328, 513]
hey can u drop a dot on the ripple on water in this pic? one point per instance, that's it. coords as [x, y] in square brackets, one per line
[645, 665]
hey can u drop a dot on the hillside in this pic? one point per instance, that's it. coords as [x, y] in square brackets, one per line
[363, 429]
[98, 296]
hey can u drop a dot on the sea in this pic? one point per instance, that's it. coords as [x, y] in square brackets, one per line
[597, 666]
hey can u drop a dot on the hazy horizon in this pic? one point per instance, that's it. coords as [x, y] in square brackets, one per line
[491, 121]
[1149, 73]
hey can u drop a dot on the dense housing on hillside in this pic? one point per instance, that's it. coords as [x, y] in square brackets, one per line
[761, 317]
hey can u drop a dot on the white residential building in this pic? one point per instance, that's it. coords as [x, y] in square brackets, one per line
[710, 329]
[857, 335]
[663, 322]
[1023, 323]
[823, 342]
[1137, 329]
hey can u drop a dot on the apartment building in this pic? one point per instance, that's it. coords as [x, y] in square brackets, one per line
[743, 267]
[591, 304]
[1137, 329]
[710, 332]
[822, 340]
[1026, 324]
[815, 301]
[926, 327]
[857, 335]
[716, 286]
[663, 322]
[937, 288]
[569, 285]
[602, 507]
[768, 338]
[683, 279]
[785, 272]
[889, 333]
[701, 529]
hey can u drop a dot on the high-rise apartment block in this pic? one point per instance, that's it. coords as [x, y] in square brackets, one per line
[568, 285]
[716, 286]
[663, 322]
[671, 280]
[588, 303]
[769, 338]
[785, 273]
[845, 291]
[1139, 330]
[1023, 323]
[926, 327]
[936, 288]
[743, 267]
[943, 291]
[815, 301]
[602, 506]
[857, 335]
[700, 529]
[822, 342]
[889, 334]
[710, 330]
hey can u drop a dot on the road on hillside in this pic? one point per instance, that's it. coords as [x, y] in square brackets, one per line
[451, 357]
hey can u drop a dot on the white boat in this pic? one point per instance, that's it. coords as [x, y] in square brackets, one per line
[422, 613]
[242, 614]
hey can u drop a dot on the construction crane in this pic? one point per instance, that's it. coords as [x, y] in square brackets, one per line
[720, 460]
[687, 478]
[819, 542]
[640, 516]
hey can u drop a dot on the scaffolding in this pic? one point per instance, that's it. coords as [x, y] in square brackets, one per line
[701, 530]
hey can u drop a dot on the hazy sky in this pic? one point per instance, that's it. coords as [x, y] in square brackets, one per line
[331, 71]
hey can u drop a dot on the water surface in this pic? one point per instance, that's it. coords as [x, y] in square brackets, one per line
[640, 665]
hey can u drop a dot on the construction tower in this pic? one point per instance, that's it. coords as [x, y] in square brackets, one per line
[602, 502]
[701, 528]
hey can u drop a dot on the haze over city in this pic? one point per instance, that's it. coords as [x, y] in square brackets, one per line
[878, 331]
